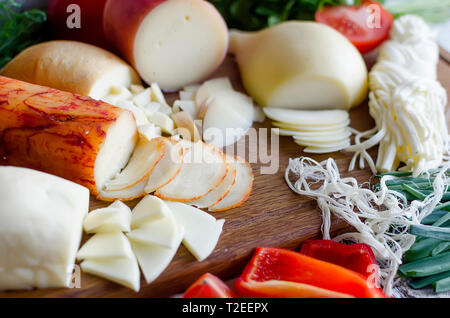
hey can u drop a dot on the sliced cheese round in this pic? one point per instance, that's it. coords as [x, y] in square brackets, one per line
[204, 168]
[145, 157]
[241, 189]
[168, 167]
[307, 118]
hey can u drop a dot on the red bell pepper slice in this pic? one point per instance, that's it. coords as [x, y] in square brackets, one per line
[357, 257]
[209, 286]
[275, 272]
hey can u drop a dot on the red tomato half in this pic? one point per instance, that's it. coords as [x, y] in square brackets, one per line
[209, 286]
[365, 25]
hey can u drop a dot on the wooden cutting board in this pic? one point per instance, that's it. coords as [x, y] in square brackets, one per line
[272, 216]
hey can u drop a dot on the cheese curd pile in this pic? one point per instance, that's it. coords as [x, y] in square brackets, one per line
[407, 103]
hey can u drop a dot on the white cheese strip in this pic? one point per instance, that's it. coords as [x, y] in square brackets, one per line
[201, 230]
[186, 95]
[103, 246]
[115, 217]
[149, 209]
[154, 259]
[124, 271]
[41, 219]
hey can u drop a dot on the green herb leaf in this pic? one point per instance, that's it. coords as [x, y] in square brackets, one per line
[18, 29]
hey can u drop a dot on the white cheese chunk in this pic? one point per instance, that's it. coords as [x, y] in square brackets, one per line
[149, 209]
[124, 271]
[154, 259]
[162, 232]
[201, 230]
[104, 246]
[41, 218]
[115, 217]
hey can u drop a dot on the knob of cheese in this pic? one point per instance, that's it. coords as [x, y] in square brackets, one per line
[303, 65]
[170, 42]
[41, 218]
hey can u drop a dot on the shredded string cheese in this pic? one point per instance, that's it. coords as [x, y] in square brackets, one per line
[407, 103]
[381, 219]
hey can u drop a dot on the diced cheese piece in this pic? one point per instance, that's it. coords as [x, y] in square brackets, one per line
[136, 89]
[165, 109]
[163, 121]
[138, 113]
[201, 230]
[307, 117]
[154, 259]
[124, 271]
[150, 108]
[157, 95]
[163, 232]
[41, 219]
[104, 246]
[210, 88]
[120, 91]
[115, 217]
[187, 106]
[149, 209]
[142, 98]
[150, 131]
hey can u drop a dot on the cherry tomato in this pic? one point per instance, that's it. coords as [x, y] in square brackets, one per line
[209, 286]
[366, 25]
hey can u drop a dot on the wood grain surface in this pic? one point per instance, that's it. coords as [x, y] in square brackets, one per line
[272, 216]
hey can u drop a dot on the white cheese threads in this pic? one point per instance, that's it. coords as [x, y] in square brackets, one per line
[380, 219]
[406, 102]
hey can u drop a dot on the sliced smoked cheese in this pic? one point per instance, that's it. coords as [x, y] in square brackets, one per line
[41, 219]
[241, 189]
[68, 135]
[218, 193]
[204, 168]
[146, 156]
[168, 167]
